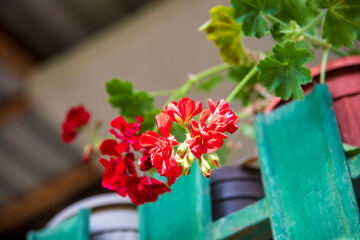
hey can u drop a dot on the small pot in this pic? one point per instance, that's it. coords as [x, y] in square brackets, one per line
[233, 188]
[343, 80]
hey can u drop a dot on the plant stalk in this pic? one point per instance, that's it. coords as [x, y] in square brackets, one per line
[185, 88]
[321, 43]
[241, 84]
[276, 20]
[310, 24]
[323, 65]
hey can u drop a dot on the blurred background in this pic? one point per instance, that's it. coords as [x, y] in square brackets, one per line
[59, 53]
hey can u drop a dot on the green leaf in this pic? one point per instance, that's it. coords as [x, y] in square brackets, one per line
[119, 91]
[131, 103]
[236, 75]
[226, 34]
[149, 120]
[341, 21]
[284, 72]
[249, 13]
[298, 11]
[211, 83]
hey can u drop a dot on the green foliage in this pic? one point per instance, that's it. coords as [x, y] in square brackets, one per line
[226, 34]
[284, 72]
[210, 84]
[236, 75]
[342, 21]
[249, 13]
[131, 103]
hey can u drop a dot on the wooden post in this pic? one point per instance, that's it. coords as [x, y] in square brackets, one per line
[185, 213]
[307, 183]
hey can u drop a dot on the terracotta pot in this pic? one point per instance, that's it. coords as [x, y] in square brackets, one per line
[343, 79]
[233, 188]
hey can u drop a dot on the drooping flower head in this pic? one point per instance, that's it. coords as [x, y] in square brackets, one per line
[183, 111]
[126, 132]
[76, 117]
[144, 189]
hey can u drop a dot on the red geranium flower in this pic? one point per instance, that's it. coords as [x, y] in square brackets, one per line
[144, 189]
[127, 134]
[222, 108]
[182, 111]
[207, 138]
[161, 148]
[76, 117]
[115, 171]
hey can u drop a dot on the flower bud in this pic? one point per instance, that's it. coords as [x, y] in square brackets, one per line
[190, 158]
[214, 160]
[182, 149]
[186, 168]
[205, 167]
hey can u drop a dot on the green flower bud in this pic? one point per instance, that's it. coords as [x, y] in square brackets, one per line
[214, 160]
[205, 167]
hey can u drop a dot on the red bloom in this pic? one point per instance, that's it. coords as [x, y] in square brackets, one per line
[76, 117]
[161, 148]
[127, 134]
[144, 189]
[207, 138]
[116, 170]
[222, 108]
[182, 111]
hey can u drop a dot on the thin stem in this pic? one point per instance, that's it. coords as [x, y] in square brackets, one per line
[161, 93]
[323, 44]
[243, 82]
[310, 24]
[323, 65]
[185, 88]
[276, 20]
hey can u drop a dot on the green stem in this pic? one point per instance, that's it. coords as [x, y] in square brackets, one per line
[243, 82]
[323, 65]
[161, 93]
[321, 43]
[185, 88]
[275, 20]
[310, 24]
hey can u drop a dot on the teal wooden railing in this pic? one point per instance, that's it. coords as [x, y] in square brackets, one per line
[311, 189]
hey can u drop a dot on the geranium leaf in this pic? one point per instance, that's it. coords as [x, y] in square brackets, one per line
[131, 103]
[226, 34]
[342, 21]
[284, 72]
[249, 13]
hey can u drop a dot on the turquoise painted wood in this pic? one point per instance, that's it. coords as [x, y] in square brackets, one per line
[251, 222]
[307, 183]
[185, 213]
[75, 228]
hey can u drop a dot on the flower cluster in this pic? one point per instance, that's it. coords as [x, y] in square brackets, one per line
[76, 118]
[120, 173]
[159, 150]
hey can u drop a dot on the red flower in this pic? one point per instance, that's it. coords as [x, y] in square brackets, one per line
[144, 189]
[76, 117]
[207, 138]
[222, 108]
[116, 170]
[182, 111]
[127, 134]
[161, 148]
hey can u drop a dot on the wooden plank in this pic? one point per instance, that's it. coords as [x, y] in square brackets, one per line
[305, 174]
[251, 222]
[185, 213]
[47, 196]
